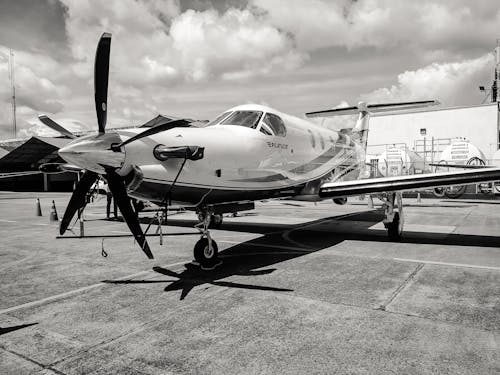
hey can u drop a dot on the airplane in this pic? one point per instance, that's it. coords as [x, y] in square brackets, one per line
[248, 153]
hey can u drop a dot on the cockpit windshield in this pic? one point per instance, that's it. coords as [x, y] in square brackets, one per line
[219, 118]
[249, 119]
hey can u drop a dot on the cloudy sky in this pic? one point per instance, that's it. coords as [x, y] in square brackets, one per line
[195, 58]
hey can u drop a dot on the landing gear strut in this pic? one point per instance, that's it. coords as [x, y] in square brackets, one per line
[215, 219]
[394, 219]
[206, 250]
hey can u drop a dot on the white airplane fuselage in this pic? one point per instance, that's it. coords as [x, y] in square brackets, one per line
[240, 163]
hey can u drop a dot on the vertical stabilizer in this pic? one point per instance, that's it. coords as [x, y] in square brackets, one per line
[360, 130]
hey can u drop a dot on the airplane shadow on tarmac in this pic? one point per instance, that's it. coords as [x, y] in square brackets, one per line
[282, 242]
[4, 330]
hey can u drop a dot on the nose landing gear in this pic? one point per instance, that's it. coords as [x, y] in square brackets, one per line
[206, 250]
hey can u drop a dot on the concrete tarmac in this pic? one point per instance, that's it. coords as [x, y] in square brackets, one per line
[304, 288]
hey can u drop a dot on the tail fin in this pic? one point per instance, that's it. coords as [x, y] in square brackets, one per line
[360, 131]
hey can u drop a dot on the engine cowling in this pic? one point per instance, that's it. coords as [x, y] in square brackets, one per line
[134, 179]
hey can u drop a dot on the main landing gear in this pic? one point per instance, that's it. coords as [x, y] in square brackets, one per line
[394, 219]
[206, 250]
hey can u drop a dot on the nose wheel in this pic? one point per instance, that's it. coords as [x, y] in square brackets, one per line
[206, 253]
[206, 250]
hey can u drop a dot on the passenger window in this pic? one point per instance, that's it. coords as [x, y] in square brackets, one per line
[275, 123]
[313, 141]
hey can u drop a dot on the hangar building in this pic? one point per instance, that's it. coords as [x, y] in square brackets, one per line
[24, 157]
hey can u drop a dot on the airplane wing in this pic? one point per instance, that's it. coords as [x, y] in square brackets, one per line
[463, 166]
[411, 182]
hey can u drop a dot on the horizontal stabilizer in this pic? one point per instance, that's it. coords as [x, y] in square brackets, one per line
[372, 108]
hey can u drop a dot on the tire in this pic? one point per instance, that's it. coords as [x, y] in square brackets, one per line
[393, 229]
[454, 192]
[439, 192]
[202, 254]
[340, 201]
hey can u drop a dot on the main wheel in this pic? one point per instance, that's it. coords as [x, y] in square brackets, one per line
[393, 229]
[455, 191]
[340, 201]
[204, 255]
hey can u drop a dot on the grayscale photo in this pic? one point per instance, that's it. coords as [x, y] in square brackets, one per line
[249, 187]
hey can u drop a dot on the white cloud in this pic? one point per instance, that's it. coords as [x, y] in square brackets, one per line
[35, 92]
[386, 24]
[234, 44]
[451, 83]
[189, 62]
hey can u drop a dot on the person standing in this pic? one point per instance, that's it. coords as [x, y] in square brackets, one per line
[110, 199]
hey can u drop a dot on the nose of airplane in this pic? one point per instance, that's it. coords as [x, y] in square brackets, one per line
[93, 152]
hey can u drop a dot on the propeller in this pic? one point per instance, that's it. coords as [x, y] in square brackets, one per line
[55, 126]
[157, 129]
[117, 187]
[77, 200]
[101, 75]
[54, 168]
[93, 153]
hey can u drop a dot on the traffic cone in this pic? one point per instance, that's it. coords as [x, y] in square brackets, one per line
[38, 208]
[53, 212]
[370, 201]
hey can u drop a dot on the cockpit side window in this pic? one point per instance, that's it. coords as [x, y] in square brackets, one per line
[249, 119]
[275, 123]
[219, 118]
[266, 129]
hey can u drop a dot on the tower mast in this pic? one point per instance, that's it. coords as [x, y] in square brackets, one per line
[13, 84]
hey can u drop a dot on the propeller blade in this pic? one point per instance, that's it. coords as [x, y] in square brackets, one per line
[55, 126]
[77, 200]
[117, 187]
[101, 74]
[157, 129]
[54, 168]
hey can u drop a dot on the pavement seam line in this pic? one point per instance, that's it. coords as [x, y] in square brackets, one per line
[447, 264]
[123, 335]
[400, 288]
[412, 315]
[26, 358]
[76, 291]
[454, 231]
